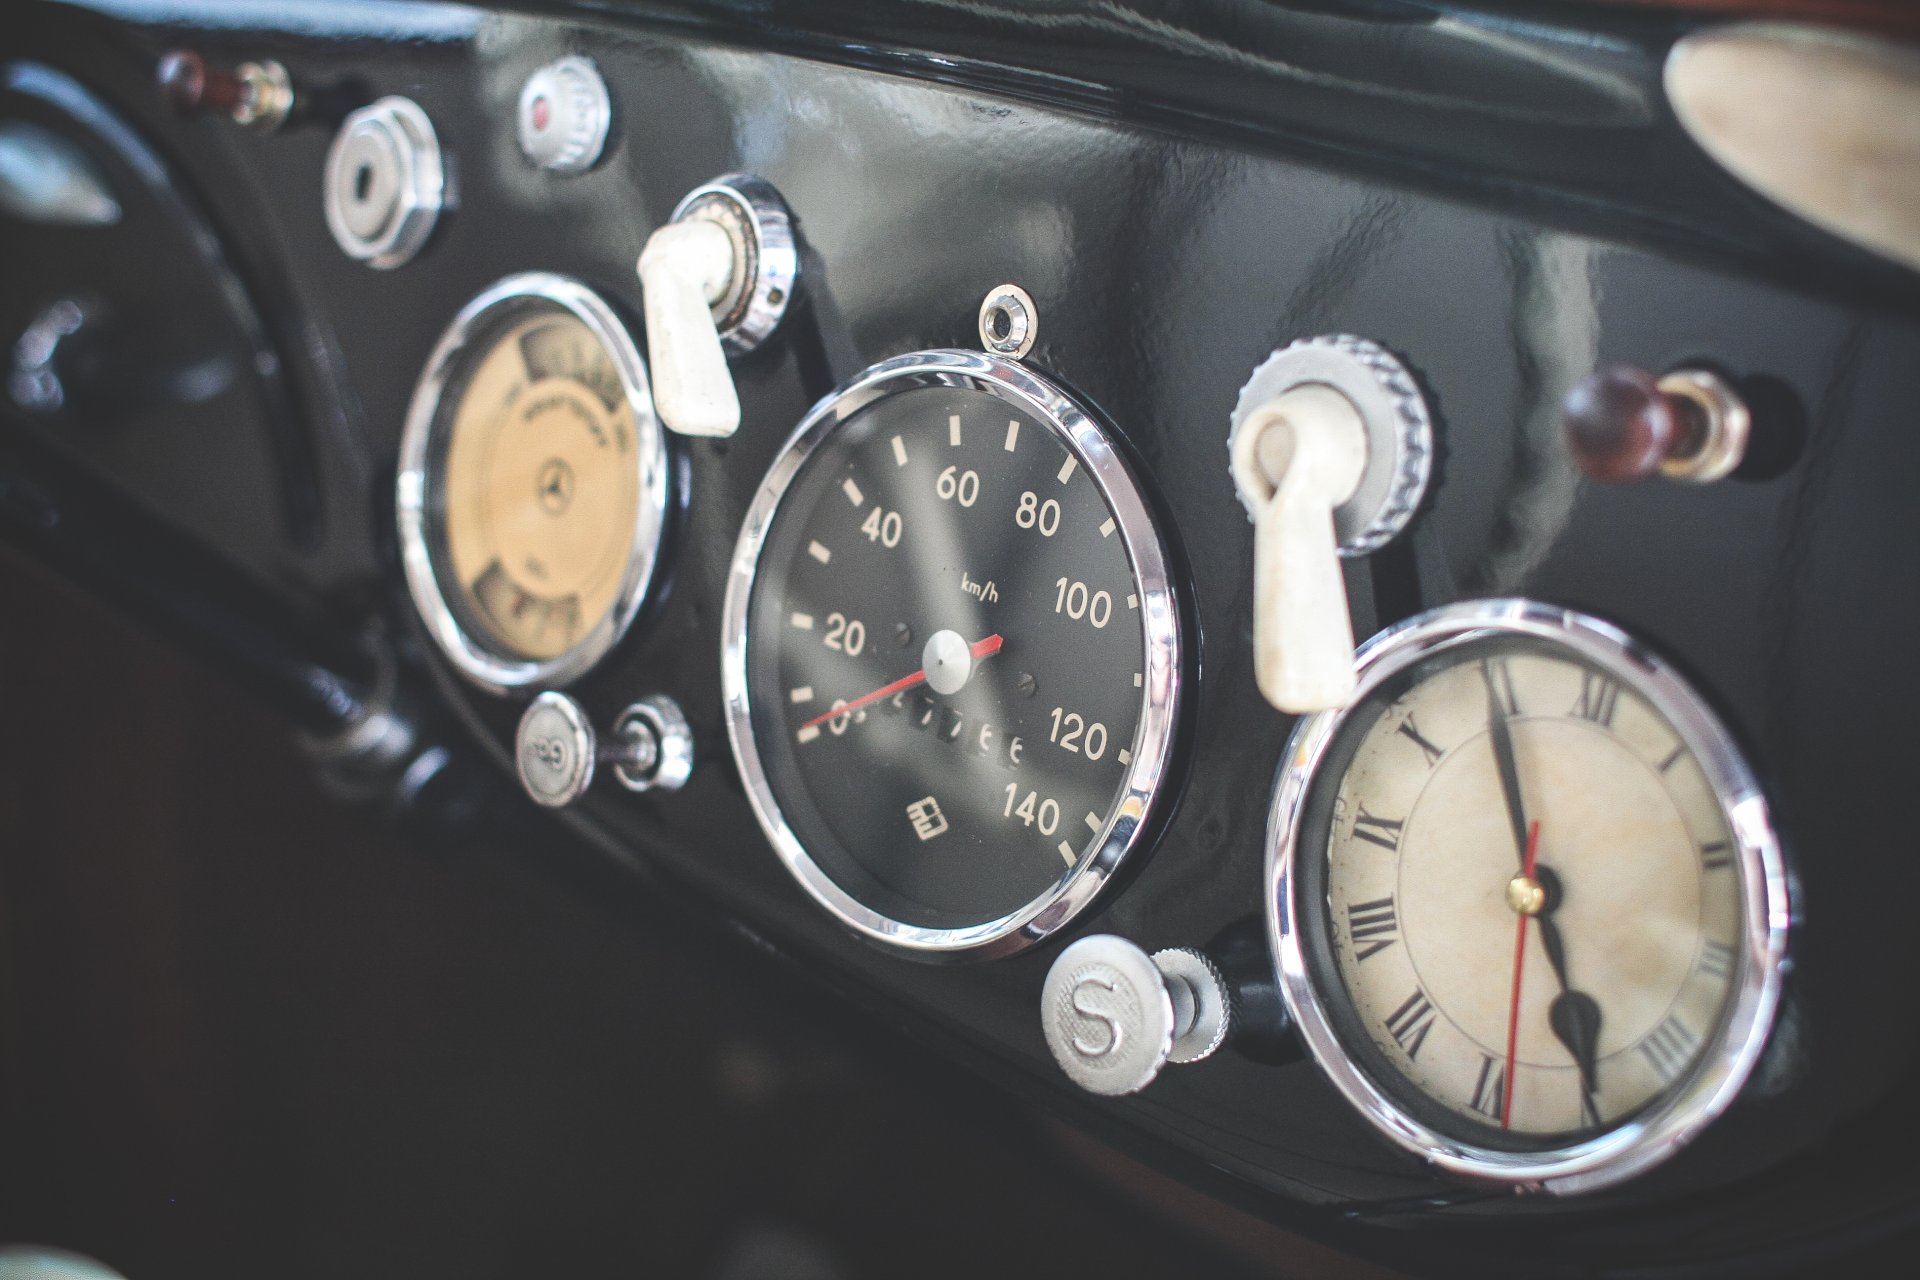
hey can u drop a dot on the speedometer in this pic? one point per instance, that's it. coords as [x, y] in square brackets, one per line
[952, 655]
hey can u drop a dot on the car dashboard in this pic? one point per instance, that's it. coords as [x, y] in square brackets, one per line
[1291, 585]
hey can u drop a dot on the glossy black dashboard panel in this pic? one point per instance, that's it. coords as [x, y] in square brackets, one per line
[1174, 223]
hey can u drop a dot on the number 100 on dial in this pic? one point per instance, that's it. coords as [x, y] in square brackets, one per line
[952, 655]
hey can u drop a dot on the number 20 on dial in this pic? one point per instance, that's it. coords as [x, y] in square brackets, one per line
[952, 657]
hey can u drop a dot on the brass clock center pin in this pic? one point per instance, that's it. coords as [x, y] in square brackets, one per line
[1526, 895]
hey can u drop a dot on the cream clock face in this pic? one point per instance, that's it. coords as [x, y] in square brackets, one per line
[1545, 959]
[1530, 913]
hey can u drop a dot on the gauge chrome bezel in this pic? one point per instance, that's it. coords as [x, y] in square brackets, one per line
[1728, 1058]
[422, 448]
[1128, 818]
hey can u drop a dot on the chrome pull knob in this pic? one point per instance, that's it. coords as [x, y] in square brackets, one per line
[556, 752]
[564, 116]
[1114, 1016]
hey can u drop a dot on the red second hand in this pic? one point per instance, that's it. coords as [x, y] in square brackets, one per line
[977, 650]
[1519, 966]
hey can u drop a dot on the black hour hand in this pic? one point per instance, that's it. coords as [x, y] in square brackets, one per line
[1575, 1019]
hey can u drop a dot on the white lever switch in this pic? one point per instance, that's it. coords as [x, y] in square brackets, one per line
[685, 269]
[717, 279]
[1330, 453]
[1296, 459]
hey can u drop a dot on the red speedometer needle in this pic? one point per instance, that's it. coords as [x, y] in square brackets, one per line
[976, 651]
[1519, 966]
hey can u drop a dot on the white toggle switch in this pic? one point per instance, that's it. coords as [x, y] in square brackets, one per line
[1296, 459]
[1330, 452]
[685, 269]
[717, 279]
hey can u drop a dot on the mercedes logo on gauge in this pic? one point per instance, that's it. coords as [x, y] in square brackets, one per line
[952, 655]
[532, 487]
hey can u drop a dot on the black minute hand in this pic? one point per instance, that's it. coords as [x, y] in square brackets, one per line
[1574, 1015]
[1503, 757]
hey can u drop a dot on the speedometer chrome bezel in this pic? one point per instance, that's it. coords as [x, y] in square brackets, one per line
[1729, 1057]
[1129, 819]
[422, 448]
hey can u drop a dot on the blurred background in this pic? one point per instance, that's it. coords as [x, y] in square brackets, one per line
[248, 1032]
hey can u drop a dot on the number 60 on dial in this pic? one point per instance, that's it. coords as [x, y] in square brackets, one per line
[952, 655]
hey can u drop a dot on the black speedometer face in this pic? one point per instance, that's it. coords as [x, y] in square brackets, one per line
[956, 655]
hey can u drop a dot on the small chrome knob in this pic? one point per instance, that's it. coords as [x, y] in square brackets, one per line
[564, 115]
[556, 752]
[1114, 1016]
[659, 746]
[385, 183]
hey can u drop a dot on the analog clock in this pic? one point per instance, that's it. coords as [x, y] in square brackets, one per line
[1529, 909]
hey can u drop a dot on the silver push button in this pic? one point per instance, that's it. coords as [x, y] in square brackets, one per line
[556, 752]
[1114, 1016]
[564, 115]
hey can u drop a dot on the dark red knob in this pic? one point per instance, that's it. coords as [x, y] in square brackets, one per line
[190, 86]
[1621, 426]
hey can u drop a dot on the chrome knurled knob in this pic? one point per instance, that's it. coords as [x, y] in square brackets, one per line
[1114, 1015]
[564, 115]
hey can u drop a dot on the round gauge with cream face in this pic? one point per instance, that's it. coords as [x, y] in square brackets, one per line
[532, 489]
[1528, 906]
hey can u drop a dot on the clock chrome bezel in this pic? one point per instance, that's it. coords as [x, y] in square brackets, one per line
[1129, 817]
[1728, 1058]
[423, 450]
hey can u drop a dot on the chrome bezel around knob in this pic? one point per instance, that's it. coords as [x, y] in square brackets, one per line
[1399, 427]
[766, 264]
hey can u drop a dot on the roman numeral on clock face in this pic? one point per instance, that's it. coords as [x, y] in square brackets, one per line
[1668, 1048]
[1372, 927]
[1599, 696]
[1384, 832]
[1409, 730]
[1716, 959]
[1490, 1089]
[1409, 1024]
